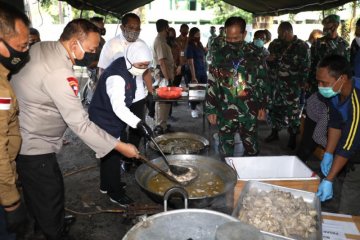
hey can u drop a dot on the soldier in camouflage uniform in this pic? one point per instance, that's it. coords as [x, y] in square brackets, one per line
[236, 89]
[289, 62]
[331, 43]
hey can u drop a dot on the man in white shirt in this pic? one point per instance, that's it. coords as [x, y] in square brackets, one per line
[112, 50]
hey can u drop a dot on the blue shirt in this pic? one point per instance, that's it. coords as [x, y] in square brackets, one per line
[346, 117]
[198, 56]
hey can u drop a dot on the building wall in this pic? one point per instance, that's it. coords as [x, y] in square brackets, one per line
[178, 12]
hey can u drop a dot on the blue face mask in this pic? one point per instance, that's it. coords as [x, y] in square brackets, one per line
[259, 43]
[328, 92]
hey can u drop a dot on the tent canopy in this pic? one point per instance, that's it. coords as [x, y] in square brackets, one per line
[257, 7]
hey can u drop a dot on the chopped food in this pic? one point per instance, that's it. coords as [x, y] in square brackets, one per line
[278, 212]
[180, 145]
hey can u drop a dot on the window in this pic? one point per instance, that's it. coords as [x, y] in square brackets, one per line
[192, 5]
[181, 4]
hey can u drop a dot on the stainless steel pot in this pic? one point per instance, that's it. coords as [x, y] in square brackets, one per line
[144, 174]
[184, 224]
[179, 149]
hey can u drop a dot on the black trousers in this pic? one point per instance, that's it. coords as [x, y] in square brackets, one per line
[132, 135]
[110, 174]
[43, 189]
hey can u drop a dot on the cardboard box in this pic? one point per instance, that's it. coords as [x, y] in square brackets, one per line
[286, 171]
[342, 224]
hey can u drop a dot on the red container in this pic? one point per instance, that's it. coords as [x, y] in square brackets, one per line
[169, 92]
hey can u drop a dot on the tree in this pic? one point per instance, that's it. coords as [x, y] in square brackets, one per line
[57, 10]
[223, 11]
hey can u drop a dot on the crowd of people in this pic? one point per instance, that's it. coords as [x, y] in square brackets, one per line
[247, 82]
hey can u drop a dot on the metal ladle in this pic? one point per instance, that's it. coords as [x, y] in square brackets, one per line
[174, 169]
[172, 178]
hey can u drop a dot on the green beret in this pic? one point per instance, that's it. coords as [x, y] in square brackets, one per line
[333, 18]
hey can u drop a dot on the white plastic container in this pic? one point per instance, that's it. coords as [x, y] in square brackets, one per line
[286, 171]
[270, 168]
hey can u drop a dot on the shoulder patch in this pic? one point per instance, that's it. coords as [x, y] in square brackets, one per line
[5, 103]
[74, 84]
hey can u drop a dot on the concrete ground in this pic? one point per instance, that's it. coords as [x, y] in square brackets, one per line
[97, 217]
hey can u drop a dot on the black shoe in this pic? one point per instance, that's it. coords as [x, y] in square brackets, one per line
[273, 136]
[292, 142]
[104, 190]
[122, 199]
[69, 220]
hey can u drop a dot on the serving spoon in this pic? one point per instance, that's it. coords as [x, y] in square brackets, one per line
[174, 169]
[173, 178]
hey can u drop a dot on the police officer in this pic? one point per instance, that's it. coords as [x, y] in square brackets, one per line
[330, 43]
[49, 103]
[14, 51]
[289, 62]
[335, 82]
[234, 96]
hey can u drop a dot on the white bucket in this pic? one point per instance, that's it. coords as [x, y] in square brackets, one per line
[238, 148]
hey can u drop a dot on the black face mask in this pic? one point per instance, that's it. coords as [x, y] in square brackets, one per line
[87, 60]
[16, 60]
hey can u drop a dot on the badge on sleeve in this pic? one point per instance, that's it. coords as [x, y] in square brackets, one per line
[74, 84]
[5, 103]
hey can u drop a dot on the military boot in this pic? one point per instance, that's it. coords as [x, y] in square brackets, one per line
[292, 141]
[273, 136]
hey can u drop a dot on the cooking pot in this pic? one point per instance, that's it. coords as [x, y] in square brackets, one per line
[184, 224]
[144, 174]
[176, 149]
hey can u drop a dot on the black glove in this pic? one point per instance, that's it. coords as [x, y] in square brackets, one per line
[145, 130]
[150, 104]
[15, 218]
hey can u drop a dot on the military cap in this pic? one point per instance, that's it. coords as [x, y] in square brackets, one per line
[333, 18]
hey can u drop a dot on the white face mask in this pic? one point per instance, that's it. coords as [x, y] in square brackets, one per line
[357, 39]
[137, 71]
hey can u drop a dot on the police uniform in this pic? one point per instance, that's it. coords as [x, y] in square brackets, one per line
[235, 94]
[49, 104]
[10, 140]
[163, 51]
[289, 72]
[345, 116]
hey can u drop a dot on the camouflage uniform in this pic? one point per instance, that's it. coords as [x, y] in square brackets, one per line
[323, 47]
[216, 43]
[237, 69]
[288, 74]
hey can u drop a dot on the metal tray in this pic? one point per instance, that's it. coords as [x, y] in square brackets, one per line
[308, 197]
[177, 135]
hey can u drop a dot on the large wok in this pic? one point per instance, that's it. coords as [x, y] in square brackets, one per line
[144, 173]
[178, 149]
